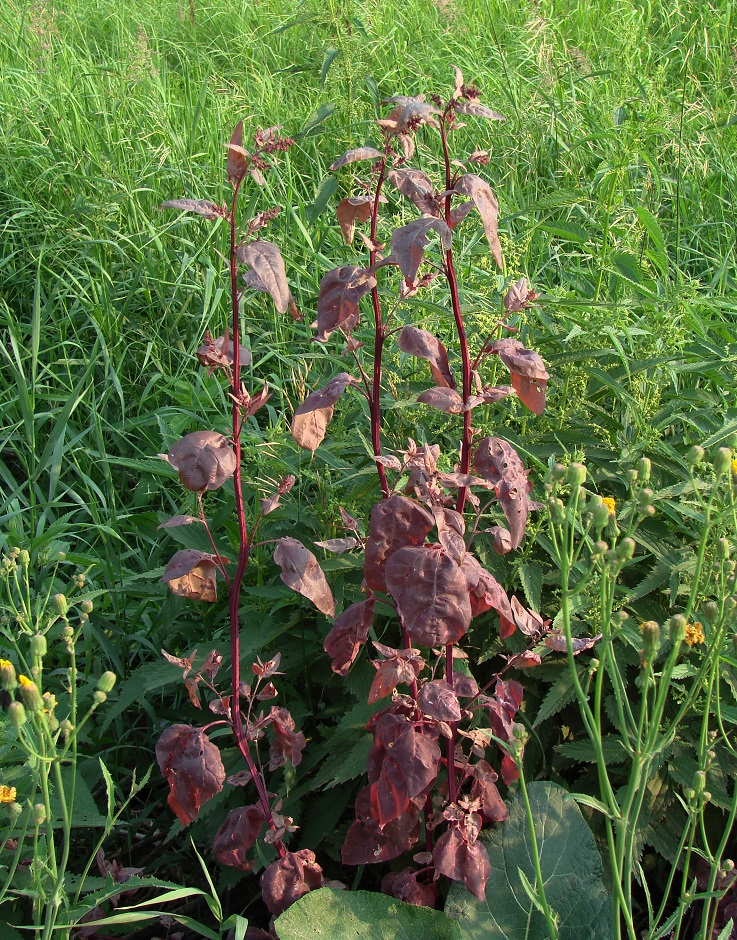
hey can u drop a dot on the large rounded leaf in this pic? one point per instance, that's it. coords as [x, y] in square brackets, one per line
[571, 868]
[204, 459]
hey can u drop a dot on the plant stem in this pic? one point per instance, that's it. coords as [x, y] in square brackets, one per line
[539, 883]
[379, 339]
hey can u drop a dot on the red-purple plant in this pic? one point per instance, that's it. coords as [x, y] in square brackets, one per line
[428, 777]
[205, 460]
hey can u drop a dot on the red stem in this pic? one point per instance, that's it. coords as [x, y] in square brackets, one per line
[379, 338]
[451, 748]
[244, 547]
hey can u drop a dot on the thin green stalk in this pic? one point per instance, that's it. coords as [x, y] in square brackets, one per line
[539, 883]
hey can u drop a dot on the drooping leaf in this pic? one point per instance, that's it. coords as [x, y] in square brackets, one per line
[354, 156]
[404, 886]
[444, 399]
[290, 878]
[337, 303]
[349, 633]
[579, 644]
[417, 187]
[407, 768]
[408, 243]
[239, 831]
[485, 790]
[192, 766]
[191, 573]
[313, 415]
[203, 207]
[571, 869]
[431, 594]
[351, 210]
[459, 212]
[394, 523]
[237, 163]
[204, 459]
[485, 591]
[497, 461]
[400, 667]
[265, 260]
[462, 859]
[368, 844]
[527, 370]
[362, 915]
[482, 194]
[412, 111]
[476, 109]
[516, 297]
[420, 343]
[451, 531]
[301, 572]
[438, 700]
[287, 744]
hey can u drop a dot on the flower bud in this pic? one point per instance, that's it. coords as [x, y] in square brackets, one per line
[67, 633]
[723, 549]
[87, 607]
[646, 496]
[621, 615]
[557, 510]
[17, 714]
[677, 628]
[601, 516]
[38, 645]
[706, 796]
[576, 474]
[650, 630]
[24, 558]
[610, 556]
[695, 455]
[38, 814]
[722, 460]
[699, 781]
[99, 697]
[30, 695]
[643, 469]
[727, 865]
[632, 476]
[626, 549]
[7, 675]
[60, 604]
[106, 682]
[711, 610]
[558, 472]
[66, 728]
[599, 548]
[15, 809]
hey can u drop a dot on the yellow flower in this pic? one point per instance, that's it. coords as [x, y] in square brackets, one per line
[7, 794]
[734, 467]
[611, 504]
[695, 633]
[25, 682]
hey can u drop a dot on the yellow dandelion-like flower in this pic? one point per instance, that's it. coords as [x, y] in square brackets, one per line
[695, 633]
[25, 682]
[611, 504]
[734, 467]
[7, 794]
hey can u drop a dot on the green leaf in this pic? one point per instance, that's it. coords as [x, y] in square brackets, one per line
[571, 869]
[531, 576]
[331, 54]
[362, 915]
[727, 932]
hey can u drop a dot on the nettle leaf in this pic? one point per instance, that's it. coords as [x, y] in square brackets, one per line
[204, 459]
[527, 370]
[314, 414]
[349, 633]
[417, 187]
[476, 109]
[444, 399]
[408, 243]
[203, 207]
[354, 156]
[337, 303]
[301, 572]
[571, 867]
[290, 878]
[351, 210]
[288, 744]
[236, 836]
[420, 343]
[461, 859]
[362, 915]
[237, 163]
[191, 573]
[431, 594]
[393, 524]
[438, 700]
[192, 766]
[481, 193]
[265, 261]
[497, 461]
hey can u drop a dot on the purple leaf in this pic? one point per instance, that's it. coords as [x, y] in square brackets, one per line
[481, 193]
[265, 260]
[301, 572]
[354, 156]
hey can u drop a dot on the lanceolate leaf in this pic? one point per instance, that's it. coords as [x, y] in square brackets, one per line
[337, 304]
[301, 572]
[204, 459]
[237, 163]
[349, 633]
[431, 595]
[203, 207]
[481, 193]
[476, 109]
[408, 243]
[417, 187]
[191, 764]
[354, 156]
[265, 260]
[424, 345]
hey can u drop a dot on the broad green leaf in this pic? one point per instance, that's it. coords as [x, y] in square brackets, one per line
[362, 915]
[571, 868]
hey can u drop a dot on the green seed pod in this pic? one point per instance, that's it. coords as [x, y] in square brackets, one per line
[24, 558]
[722, 460]
[632, 476]
[576, 474]
[699, 781]
[695, 455]
[106, 682]
[558, 472]
[711, 610]
[60, 604]
[99, 697]
[87, 607]
[7, 675]
[601, 516]
[650, 630]
[723, 548]
[626, 549]
[643, 469]
[557, 511]
[38, 645]
[17, 714]
[677, 628]
[38, 814]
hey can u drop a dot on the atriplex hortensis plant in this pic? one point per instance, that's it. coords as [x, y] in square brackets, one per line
[205, 460]
[420, 776]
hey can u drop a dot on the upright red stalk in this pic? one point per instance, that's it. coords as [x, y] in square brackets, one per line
[379, 338]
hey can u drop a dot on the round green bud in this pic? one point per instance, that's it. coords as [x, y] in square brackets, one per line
[106, 682]
[599, 548]
[15, 809]
[558, 472]
[650, 630]
[711, 610]
[646, 496]
[723, 548]
[87, 607]
[601, 516]
[61, 556]
[677, 628]
[24, 558]
[99, 697]
[626, 549]
[706, 796]
[66, 728]
[38, 645]
[60, 604]
[576, 474]
[632, 476]
[643, 469]
[38, 814]
[695, 455]
[67, 633]
[649, 510]
[17, 714]
[621, 615]
[699, 781]
[727, 865]
[7, 675]
[730, 603]
[722, 460]
[610, 556]
[557, 510]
